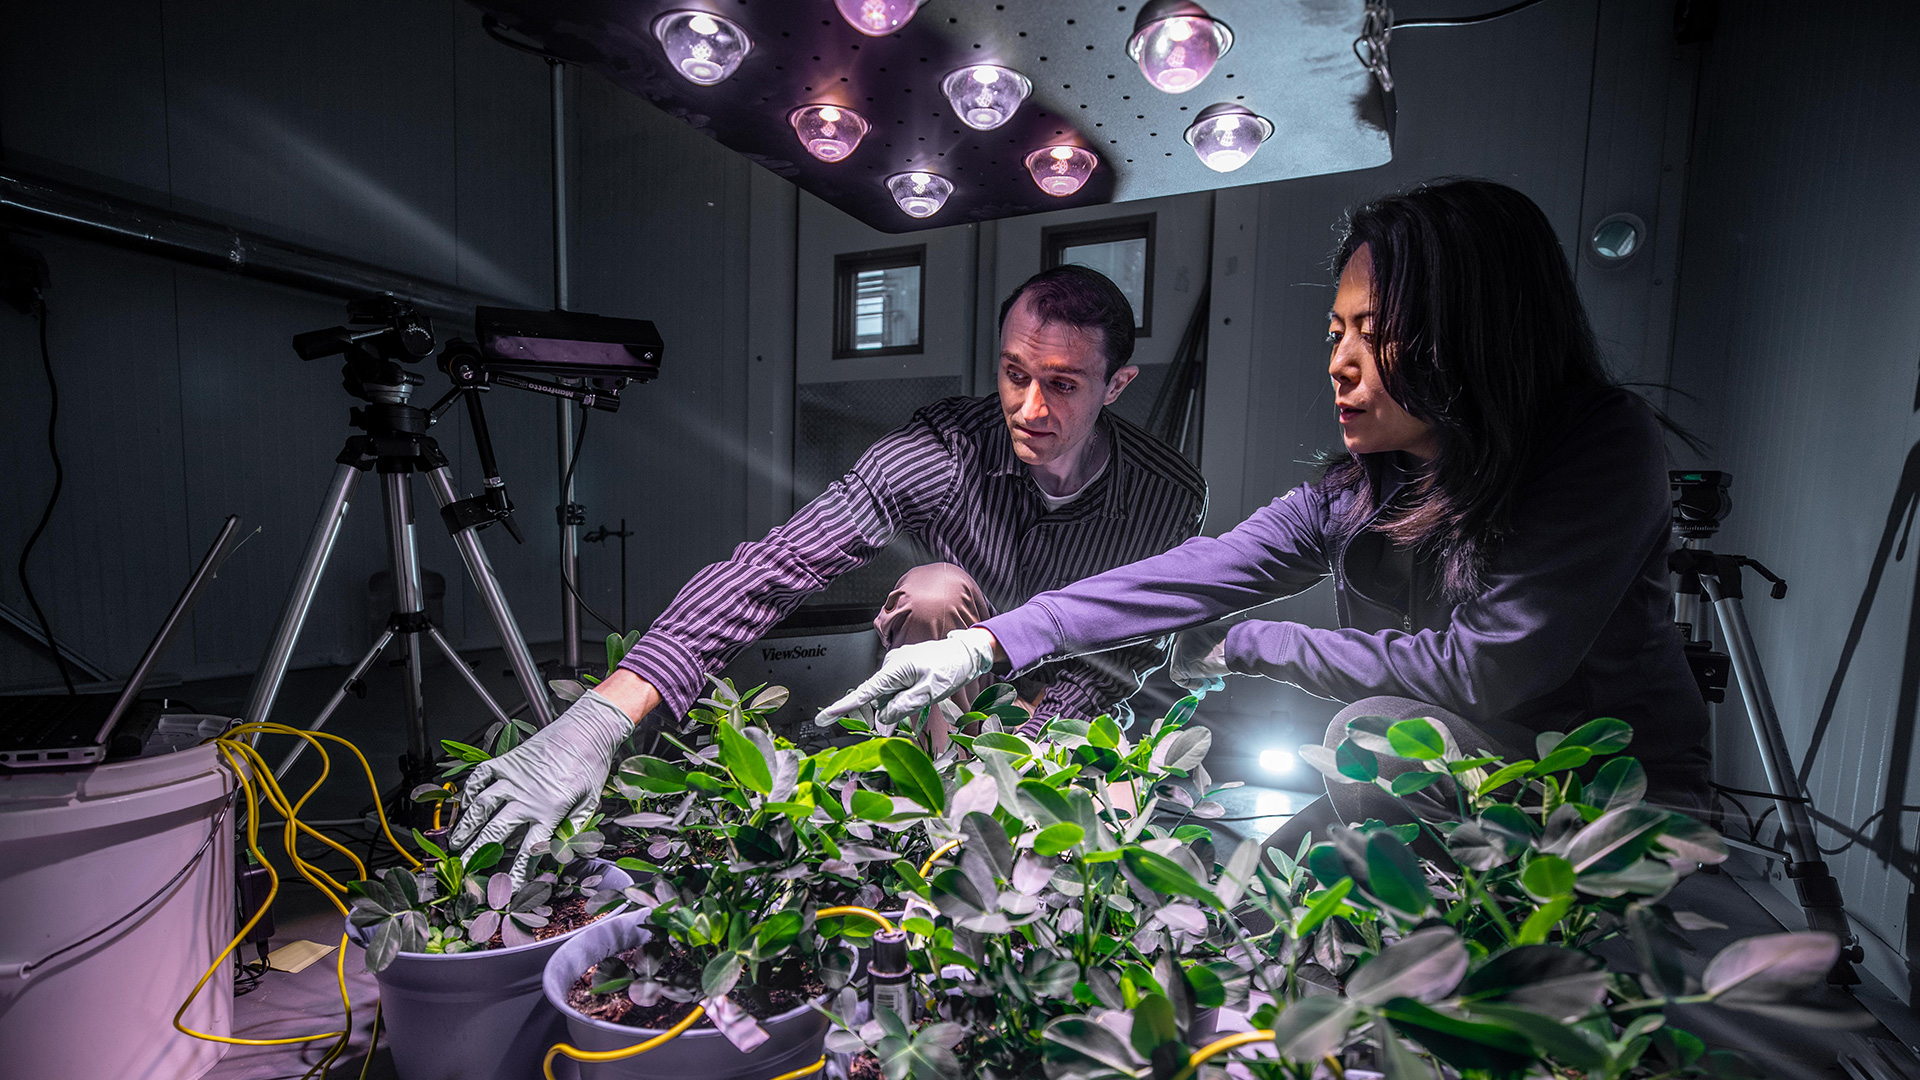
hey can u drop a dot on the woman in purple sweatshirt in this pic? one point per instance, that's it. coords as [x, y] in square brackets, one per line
[1496, 533]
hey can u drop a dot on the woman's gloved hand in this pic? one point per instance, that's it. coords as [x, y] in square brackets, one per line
[1199, 660]
[915, 676]
[554, 776]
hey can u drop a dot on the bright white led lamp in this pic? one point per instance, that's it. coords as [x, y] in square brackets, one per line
[1061, 170]
[1176, 43]
[703, 47]
[1276, 761]
[920, 194]
[986, 95]
[1226, 137]
[829, 132]
[877, 18]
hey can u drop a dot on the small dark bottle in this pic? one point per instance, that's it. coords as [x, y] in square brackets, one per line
[890, 976]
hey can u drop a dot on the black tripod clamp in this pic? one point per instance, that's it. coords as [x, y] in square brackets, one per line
[461, 362]
[1693, 563]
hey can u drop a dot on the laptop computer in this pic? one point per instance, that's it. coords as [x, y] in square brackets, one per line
[63, 730]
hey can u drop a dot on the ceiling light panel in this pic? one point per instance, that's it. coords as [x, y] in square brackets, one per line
[1291, 64]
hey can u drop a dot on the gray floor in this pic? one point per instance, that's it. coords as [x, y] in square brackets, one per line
[285, 1004]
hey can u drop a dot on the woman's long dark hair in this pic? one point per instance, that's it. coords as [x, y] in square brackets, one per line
[1479, 332]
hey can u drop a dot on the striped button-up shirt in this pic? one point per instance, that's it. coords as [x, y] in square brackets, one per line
[949, 479]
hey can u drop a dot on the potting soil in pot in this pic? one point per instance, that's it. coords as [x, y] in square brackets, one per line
[788, 987]
[568, 915]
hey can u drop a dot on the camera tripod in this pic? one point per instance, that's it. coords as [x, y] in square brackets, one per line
[1700, 503]
[394, 443]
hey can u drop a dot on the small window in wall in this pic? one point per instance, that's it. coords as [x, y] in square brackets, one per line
[878, 300]
[1121, 249]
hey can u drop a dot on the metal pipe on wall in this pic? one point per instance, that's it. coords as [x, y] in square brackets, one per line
[563, 409]
[31, 202]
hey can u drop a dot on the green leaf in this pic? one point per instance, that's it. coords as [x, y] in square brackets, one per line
[1558, 983]
[1425, 965]
[1153, 1025]
[1313, 1027]
[1409, 782]
[721, 972]
[913, 774]
[653, 775]
[1562, 759]
[1181, 750]
[740, 757]
[1417, 739]
[994, 697]
[1465, 1044]
[1321, 908]
[1505, 776]
[1770, 967]
[1104, 733]
[1394, 876]
[1356, 762]
[1181, 712]
[871, 805]
[861, 757]
[1620, 782]
[1002, 740]
[1547, 877]
[1603, 736]
[1396, 1061]
[1163, 875]
[774, 934]
[1544, 918]
[1689, 840]
[1078, 1047]
[1037, 795]
[1551, 1038]
[988, 838]
[484, 857]
[1209, 992]
[428, 846]
[1609, 832]
[471, 754]
[1057, 839]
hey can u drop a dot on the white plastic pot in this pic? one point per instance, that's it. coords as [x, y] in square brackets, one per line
[474, 1015]
[117, 884]
[796, 1038]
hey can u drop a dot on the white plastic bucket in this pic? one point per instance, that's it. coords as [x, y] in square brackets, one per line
[117, 888]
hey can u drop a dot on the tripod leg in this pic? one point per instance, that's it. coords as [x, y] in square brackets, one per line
[1819, 893]
[409, 605]
[346, 687]
[481, 570]
[467, 674]
[273, 669]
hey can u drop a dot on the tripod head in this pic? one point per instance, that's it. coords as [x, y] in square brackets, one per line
[382, 333]
[1700, 502]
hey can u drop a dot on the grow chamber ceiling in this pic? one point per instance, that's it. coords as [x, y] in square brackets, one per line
[1291, 62]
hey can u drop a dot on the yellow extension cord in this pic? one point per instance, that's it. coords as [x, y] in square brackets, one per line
[242, 758]
[577, 1054]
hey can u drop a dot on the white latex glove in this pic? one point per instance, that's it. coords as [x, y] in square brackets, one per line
[1199, 660]
[915, 676]
[554, 776]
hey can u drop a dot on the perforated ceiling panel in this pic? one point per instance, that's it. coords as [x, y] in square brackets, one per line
[1292, 62]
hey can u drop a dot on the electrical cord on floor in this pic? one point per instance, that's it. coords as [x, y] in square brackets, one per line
[53, 499]
[250, 768]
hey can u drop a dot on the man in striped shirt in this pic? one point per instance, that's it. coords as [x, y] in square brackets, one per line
[1015, 494]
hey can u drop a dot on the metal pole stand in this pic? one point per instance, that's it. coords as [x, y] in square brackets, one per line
[396, 445]
[1717, 576]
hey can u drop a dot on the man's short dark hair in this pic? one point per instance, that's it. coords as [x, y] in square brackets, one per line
[1084, 299]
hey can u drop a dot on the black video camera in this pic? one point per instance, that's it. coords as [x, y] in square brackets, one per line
[1700, 501]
